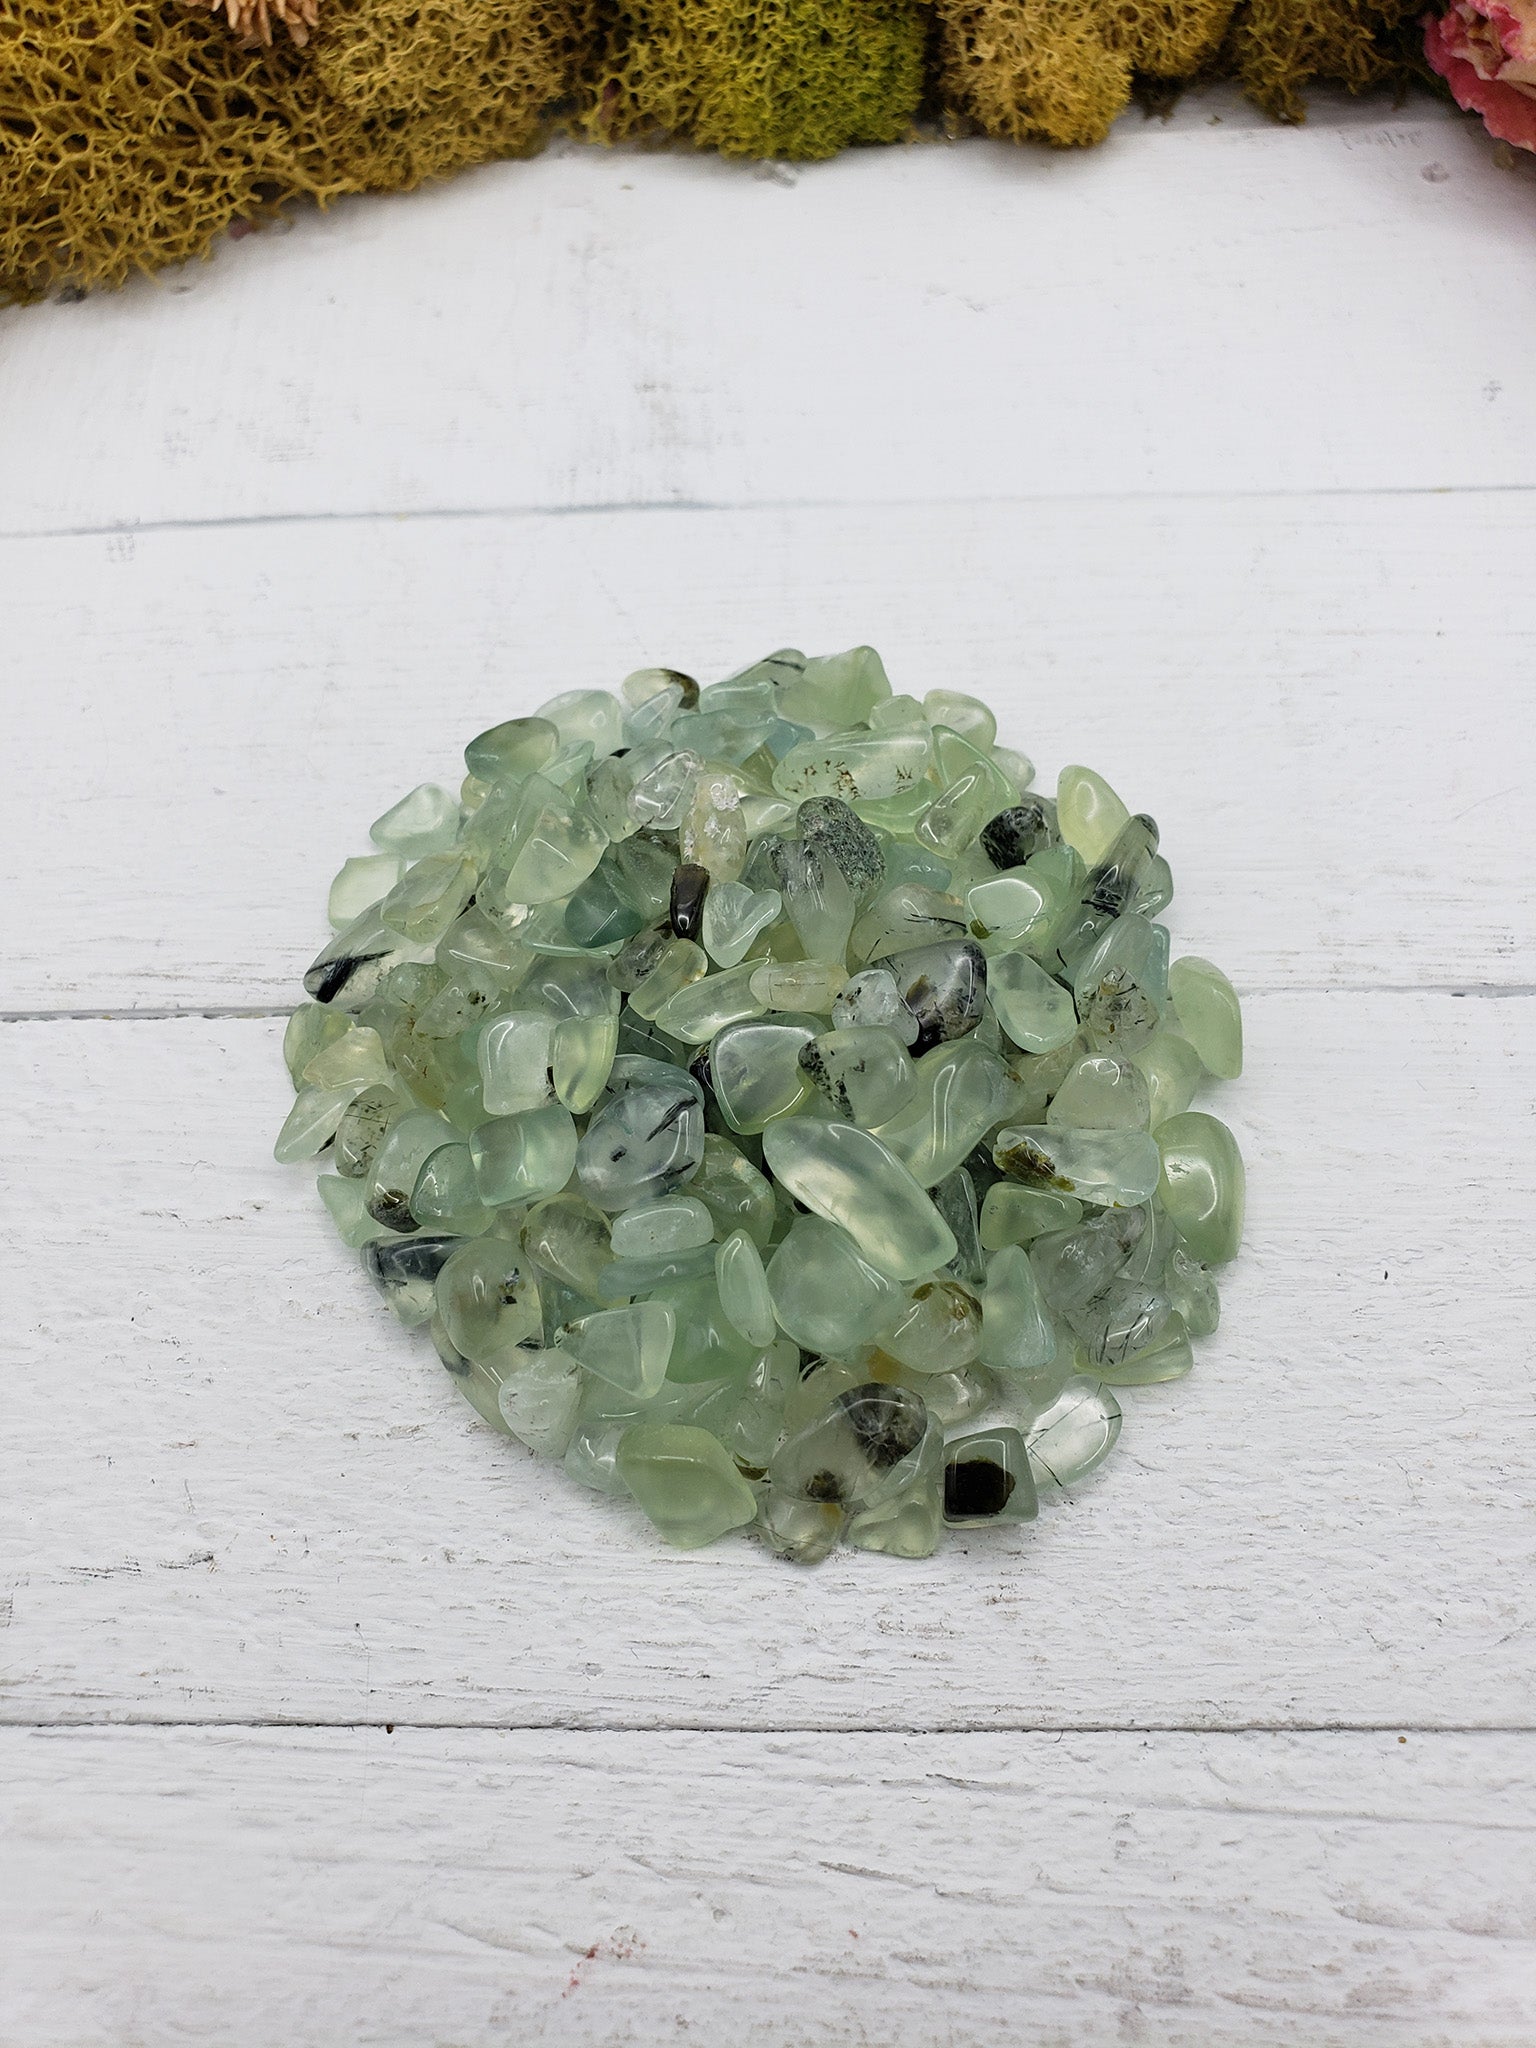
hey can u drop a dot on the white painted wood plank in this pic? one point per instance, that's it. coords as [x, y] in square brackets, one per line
[1323, 701]
[1208, 308]
[238, 1489]
[329, 1890]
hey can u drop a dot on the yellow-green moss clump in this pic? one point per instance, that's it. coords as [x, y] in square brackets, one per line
[759, 78]
[1277, 48]
[134, 132]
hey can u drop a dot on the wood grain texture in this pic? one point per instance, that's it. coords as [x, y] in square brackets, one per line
[250, 1495]
[249, 1887]
[1221, 307]
[1323, 701]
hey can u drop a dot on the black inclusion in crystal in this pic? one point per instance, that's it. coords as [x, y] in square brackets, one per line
[888, 1421]
[974, 1487]
[1013, 835]
[690, 886]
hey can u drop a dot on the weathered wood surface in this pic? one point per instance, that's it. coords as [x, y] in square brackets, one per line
[1323, 701]
[828, 1891]
[251, 1495]
[1208, 457]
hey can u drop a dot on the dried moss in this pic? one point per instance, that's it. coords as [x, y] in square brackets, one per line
[759, 78]
[1061, 71]
[1277, 48]
[134, 132]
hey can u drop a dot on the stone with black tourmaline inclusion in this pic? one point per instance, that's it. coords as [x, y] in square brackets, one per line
[775, 1110]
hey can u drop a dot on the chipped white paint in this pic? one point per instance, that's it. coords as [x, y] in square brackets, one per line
[1133, 1775]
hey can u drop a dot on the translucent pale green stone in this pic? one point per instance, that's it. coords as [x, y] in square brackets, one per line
[1171, 1067]
[1115, 1168]
[734, 915]
[686, 1482]
[519, 1158]
[350, 971]
[817, 898]
[311, 1028]
[360, 883]
[581, 1058]
[756, 1072]
[1192, 1293]
[1034, 1009]
[513, 1053]
[538, 1400]
[630, 1348]
[798, 984]
[708, 1345]
[1089, 814]
[405, 1270]
[357, 1056]
[641, 1144]
[863, 1072]
[804, 1531]
[680, 963]
[1121, 985]
[938, 1329]
[848, 1177]
[961, 1091]
[426, 821]
[344, 1200]
[1016, 1332]
[1014, 1215]
[364, 1125]
[826, 1294]
[1018, 905]
[850, 1453]
[1203, 1186]
[591, 717]
[629, 1279]
[909, 913]
[974, 791]
[736, 1195]
[1167, 1359]
[447, 1192]
[904, 1516]
[962, 714]
[479, 1385]
[1074, 1433]
[855, 768]
[509, 751]
[488, 1298]
[743, 1288]
[311, 1123]
[677, 1223]
[714, 831]
[1206, 1005]
[872, 1001]
[429, 896]
[1104, 1280]
[987, 1479]
[553, 845]
[568, 1238]
[405, 1151]
[697, 1012]
[835, 689]
[1102, 1093]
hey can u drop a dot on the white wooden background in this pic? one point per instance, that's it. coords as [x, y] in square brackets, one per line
[327, 1718]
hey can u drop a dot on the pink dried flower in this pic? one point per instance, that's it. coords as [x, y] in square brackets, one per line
[1485, 50]
[252, 19]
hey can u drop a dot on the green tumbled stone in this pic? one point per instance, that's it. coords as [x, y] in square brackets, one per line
[630, 1348]
[863, 1072]
[848, 1177]
[426, 821]
[519, 1158]
[1034, 1009]
[1171, 1068]
[826, 1295]
[488, 1298]
[1016, 1332]
[734, 915]
[1115, 1168]
[538, 1400]
[987, 1479]
[675, 1223]
[1089, 814]
[708, 1345]
[686, 1482]
[1202, 1185]
[962, 1090]
[1206, 1005]
[939, 1328]
[1074, 1433]
[312, 1122]
[743, 1289]
[1102, 1094]
[1015, 1215]
[697, 1012]
[756, 1072]
[360, 884]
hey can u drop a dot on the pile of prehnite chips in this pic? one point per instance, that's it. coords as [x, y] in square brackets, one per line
[779, 1113]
